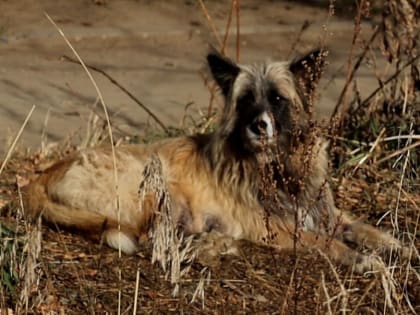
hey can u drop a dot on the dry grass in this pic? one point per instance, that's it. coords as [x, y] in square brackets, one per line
[376, 176]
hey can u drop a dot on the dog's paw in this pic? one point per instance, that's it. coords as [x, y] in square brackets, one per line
[365, 263]
[409, 253]
[212, 246]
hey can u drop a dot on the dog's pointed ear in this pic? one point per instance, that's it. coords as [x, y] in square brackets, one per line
[308, 69]
[223, 69]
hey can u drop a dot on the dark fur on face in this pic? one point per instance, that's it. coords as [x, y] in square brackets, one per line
[266, 104]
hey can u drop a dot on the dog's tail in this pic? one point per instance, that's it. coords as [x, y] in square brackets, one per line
[37, 202]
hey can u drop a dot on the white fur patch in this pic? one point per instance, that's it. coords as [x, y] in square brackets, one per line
[269, 129]
[309, 224]
[117, 239]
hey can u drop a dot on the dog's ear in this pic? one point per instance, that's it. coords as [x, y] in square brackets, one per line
[308, 69]
[223, 69]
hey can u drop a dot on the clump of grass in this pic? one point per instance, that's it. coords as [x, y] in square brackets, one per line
[375, 146]
[395, 105]
[9, 276]
[19, 266]
[171, 250]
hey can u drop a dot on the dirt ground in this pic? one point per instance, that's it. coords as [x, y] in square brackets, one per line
[156, 49]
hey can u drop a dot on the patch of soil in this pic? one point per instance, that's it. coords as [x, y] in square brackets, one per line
[78, 277]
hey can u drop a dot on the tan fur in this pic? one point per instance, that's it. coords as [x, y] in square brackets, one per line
[212, 188]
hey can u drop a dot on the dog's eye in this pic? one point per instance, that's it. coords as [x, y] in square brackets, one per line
[276, 99]
[246, 99]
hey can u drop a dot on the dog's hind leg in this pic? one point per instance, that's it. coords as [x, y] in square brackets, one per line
[368, 236]
[332, 247]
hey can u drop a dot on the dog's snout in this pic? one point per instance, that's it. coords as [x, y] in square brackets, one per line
[262, 126]
[259, 127]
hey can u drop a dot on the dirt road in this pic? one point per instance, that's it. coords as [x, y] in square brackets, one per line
[155, 49]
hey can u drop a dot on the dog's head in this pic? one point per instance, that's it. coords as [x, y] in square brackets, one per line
[266, 103]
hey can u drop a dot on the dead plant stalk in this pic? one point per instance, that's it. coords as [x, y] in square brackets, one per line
[111, 139]
[122, 88]
[12, 146]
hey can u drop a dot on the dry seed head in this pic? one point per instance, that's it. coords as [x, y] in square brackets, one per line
[170, 248]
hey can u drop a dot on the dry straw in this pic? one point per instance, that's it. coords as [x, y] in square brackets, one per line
[171, 250]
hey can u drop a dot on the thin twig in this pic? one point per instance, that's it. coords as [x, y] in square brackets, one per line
[210, 22]
[350, 71]
[364, 295]
[365, 144]
[12, 146]
[341, 107]
[408, 197]
[223, 51]
[286, 295]
[344, 293]
[372, 148]
[328, 298]
[302, 29]
[390, 79]
[122, 88]
[227, 29]
[401, 151]
[238, 30]
[111, 139]
[136, 291]
[234, 7]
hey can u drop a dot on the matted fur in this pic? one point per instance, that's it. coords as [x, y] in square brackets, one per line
[219, 182]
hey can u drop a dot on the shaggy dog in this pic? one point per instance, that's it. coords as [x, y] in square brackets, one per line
[262, 175]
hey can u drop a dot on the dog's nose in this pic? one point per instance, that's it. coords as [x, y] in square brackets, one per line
[262, 126]
[259, 126]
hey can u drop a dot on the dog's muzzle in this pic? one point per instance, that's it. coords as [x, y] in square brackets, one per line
[261, 129]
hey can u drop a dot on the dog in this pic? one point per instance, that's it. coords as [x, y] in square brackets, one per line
[261, 175]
